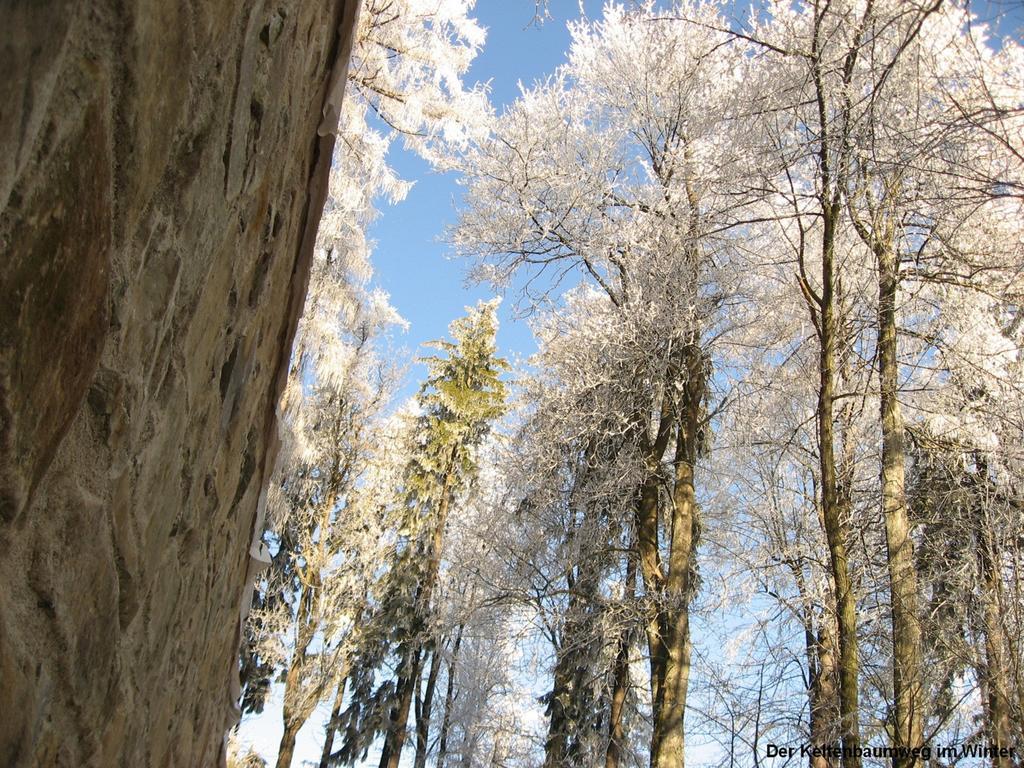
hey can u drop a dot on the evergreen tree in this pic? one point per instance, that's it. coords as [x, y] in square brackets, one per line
[461, 398]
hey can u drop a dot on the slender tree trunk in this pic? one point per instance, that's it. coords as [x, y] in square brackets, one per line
[449, 700]
[568, 705]
[287, 746]
[668, 742]
[828, 690]
[556, 745]
[424, 710]
[824, 694]
[558, 710]
[394, 740]
[836, 534]
[298, 707]
[647, 513]
[295, 714]
[833, 507]
[1015, 675]
[995, 669]
[616, 732]
[834, 109]
[339, 697]
[669, 738]
[820, 651]
[668, 626]
[620, 684]
[906, 628]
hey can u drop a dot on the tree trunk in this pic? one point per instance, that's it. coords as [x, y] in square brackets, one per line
[556, 745]
[620, 683]
[826, 694]
[836, 534]
[995, 670]
[297, 708]
[296, 713]
[570, 703]
[394, 739]
[833, 506]
[647, 514]
[424, 710]
[449, 699]
[339, 697]
[668, 626]
[820, 652]
[906, 629]
[833, 159]
[668, 738]
[287, 746]
[1014, 636]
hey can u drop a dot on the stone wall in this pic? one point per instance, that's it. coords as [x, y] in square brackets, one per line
[161, 176]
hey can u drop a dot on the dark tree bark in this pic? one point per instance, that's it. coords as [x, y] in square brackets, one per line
[424, 709]
[287, 746]
[339, 697]
[620, 678]
[994, 670]
[394, 739]
[449, 700]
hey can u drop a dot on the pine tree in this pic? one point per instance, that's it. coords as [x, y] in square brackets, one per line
[460, 400]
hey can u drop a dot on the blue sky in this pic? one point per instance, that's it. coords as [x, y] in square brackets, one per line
[411, 262]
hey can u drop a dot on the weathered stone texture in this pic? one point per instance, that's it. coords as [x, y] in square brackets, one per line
[156, 158]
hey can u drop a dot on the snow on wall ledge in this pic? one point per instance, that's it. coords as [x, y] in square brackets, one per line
[161, 175]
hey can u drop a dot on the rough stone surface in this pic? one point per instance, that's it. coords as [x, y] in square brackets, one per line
[156, 159]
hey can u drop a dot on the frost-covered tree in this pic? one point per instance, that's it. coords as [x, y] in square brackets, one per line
[966, 495]
[573, 475]
[482, 716]
[856, 142]
[322, 532]
[822, 138]
[616, 171]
